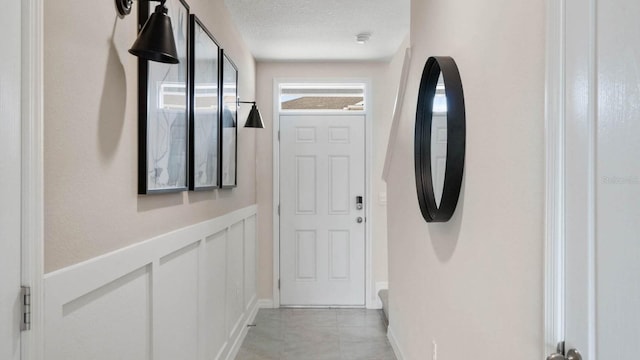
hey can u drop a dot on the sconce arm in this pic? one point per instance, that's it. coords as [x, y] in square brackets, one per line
[245, 102]
[124, 6]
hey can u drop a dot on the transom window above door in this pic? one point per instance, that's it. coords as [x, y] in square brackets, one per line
[322, 97]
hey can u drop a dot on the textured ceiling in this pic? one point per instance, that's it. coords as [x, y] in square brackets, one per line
[321, 29]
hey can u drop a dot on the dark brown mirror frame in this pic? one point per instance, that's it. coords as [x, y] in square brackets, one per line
[456, 134]
[145, 92]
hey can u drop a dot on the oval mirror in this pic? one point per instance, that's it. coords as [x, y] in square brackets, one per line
[440, 132]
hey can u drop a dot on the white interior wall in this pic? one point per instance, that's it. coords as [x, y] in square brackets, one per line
[474, 285]
[91, 134]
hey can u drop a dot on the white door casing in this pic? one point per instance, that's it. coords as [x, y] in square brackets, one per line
[594, 250]
[322, 244]
[10, 182]
[579, 179]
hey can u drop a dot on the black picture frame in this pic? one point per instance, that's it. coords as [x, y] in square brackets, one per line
[456, 135]
[163, 110]
[204, 109]
[228, 123]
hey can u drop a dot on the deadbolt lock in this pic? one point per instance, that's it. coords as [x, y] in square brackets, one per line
[359, 203]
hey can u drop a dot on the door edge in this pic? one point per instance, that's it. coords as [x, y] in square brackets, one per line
[32, 341]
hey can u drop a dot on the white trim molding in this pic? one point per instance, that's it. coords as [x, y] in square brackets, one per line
[32, 212]
[380, 285]
[249, 320]
[265, 304]
[276, 194]
[394, 344]
[554, 320]
[187, 294]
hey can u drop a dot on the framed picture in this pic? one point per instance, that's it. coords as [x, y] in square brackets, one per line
[229, 145]
[204, 116]
[163, 110]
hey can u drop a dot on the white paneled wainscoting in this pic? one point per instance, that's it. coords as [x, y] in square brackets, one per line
[188, 294]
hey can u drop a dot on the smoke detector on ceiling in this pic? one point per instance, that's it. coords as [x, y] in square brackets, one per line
[363, 38]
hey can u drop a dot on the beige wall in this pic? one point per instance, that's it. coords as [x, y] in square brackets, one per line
[384, 82]
[474, 285]
[91, 201]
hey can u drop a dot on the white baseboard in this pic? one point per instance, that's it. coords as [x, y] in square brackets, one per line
[237, 344]
[188, 294]
[265, 304]
[381, 285]
[394, 344]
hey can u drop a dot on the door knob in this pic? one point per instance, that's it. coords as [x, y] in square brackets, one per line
[359, 219]
[558, 355]
[573, 354]
[555, 357]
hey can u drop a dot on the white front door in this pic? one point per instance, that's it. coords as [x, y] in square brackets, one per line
[322, 229]
[10, 154]
[602, 186]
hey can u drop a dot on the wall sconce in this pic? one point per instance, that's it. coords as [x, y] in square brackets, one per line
[155, 41]
[254, 120]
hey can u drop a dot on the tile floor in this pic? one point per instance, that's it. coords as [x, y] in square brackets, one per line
[317, 334]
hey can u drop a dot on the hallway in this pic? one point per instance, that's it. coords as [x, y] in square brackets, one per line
[145, 215]
[297, 334]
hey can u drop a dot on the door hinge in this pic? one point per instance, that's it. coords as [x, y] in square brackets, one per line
[25, 321]
[278, 209]
[278, 284]
[278, 135]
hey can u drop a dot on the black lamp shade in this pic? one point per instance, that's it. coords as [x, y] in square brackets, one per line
[254, 120]
[155, 41]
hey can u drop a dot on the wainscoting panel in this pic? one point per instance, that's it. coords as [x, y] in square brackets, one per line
[250, 261]
[175, 304]
[213, 317]
[235, 278]
[188, 294]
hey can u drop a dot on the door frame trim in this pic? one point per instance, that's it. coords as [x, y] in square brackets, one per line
[555, 144]
[370, 296]
[32, 173]
[564, 46]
